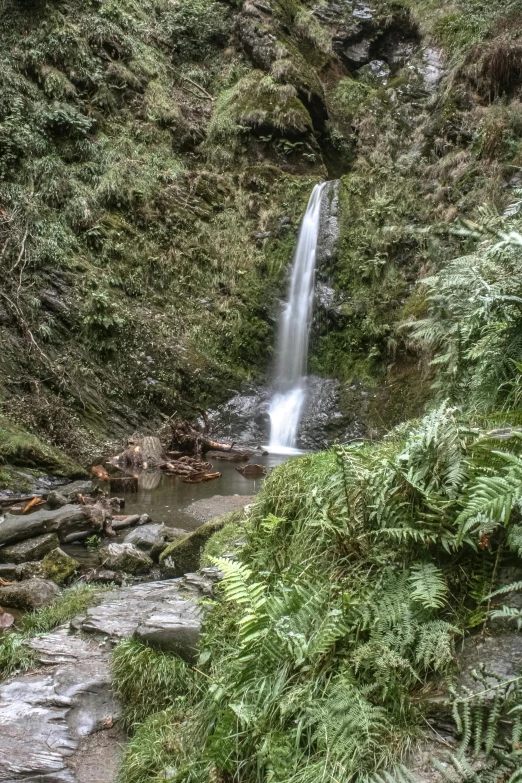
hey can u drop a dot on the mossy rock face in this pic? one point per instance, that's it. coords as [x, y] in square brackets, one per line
[19, 447]
[58, 566]
[182, 557]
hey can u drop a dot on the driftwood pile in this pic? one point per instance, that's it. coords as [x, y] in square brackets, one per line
[186, 456]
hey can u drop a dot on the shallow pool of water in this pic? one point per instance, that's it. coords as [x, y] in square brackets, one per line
[165, 497]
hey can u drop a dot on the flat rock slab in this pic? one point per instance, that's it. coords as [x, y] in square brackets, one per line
[45, 715]
[58, 724]
[165, 613]
[216, 506]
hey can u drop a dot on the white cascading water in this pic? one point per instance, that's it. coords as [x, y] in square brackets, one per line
[287, 403]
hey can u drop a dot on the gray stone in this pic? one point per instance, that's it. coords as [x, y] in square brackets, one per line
[329, 226]
[29, 594]
[30, 549]
[106, 577]
[75, 488]
[55, 499]
[46, 716]
[57, 723]
[174, 628]
[125, 610]
[59, 566]
[9, 572]
[126, 558]
[61, 520]
[153, 539]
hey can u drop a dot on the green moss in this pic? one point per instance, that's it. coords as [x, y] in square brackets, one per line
[58, 566]
[19, 447]
[183, 557]
[225, 539]
[351, 96]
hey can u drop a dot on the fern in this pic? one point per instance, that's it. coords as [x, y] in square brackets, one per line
[428, 585]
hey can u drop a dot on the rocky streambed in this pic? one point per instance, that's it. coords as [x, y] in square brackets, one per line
[59, 723]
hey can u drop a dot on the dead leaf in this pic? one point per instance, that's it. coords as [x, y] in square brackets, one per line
[32, 503]
[108, 722]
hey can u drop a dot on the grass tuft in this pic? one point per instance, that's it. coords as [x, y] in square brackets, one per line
[148, 680]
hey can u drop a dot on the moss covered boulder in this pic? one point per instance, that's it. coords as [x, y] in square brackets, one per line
[127, 558]
[19, 447]
[59, 566]
[182, 557]
[31, 549]
[30, 594]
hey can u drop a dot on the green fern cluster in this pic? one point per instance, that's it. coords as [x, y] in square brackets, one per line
[473, 327]
[362, 567]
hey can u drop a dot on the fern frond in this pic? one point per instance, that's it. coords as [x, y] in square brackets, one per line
[428, 585]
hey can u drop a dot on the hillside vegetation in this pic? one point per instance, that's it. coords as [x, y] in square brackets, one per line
[156, 157]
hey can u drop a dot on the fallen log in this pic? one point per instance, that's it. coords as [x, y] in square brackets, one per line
[198, 477]
[14, 501]
[230, 456]
[186, 466]
[186, 438]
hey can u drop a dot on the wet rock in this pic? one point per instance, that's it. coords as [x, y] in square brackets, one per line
[56, 499]
[502, 655]
[126, 558]
[153, 539]
[175, 628]
[75, 488]
[432, 68]
[124, 610]
[29, 594]
[30, 549]
[182, 557]
[256, 36]
[59, 566]
[252, 471]
[56, 720]
[329, 227]
[8, 572]
[144, 520]
[62, 521]
[46, 716]
[357, 53]
[106, 577]
[29, 570]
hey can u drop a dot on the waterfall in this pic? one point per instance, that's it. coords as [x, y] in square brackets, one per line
[294, 329]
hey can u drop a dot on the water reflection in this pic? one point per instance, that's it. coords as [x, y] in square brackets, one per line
[164, 497]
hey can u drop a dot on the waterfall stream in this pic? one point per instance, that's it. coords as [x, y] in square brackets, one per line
[294, 329]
